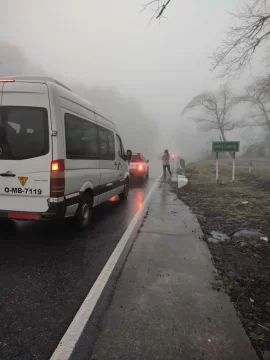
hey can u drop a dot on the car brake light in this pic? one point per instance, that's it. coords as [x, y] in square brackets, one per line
[7, 80]
[57, 178]
[139, 167]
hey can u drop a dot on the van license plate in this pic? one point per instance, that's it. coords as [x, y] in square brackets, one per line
[17, 190]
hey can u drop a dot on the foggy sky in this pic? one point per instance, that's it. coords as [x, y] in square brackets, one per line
[108, 43]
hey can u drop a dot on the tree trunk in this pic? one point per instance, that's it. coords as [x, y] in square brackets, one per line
[266, 117]
[224, 139]
[223, 135]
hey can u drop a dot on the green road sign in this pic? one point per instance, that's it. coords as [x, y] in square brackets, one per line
[225, 146]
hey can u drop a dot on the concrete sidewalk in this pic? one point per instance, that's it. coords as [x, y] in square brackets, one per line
[164, 306]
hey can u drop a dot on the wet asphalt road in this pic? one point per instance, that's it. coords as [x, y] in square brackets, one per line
[46, 271]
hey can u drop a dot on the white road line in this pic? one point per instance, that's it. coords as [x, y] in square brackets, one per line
[72, 335]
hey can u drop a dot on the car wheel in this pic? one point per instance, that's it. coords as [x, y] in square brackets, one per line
[84, 212]
[124, 194]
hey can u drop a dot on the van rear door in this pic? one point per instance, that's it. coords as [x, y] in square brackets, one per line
[25, 147]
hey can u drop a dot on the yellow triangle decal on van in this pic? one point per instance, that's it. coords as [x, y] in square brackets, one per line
[22, 180]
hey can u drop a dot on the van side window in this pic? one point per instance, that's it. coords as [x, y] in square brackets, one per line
[81, 138]
[119, 147]
[107, 144]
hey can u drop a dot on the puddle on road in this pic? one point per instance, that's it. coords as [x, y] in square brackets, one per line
[217, 237]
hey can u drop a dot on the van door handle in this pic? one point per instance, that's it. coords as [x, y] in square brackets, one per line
[7, 174]
[117, 163]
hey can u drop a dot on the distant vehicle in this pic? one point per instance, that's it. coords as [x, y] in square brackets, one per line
[139, 167]
[59, 155]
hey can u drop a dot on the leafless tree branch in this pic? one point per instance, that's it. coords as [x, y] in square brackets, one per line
[257, 94]
[216, 108]
[161, 6]
[242, 40]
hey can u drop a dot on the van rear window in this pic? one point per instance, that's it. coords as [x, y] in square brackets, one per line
[24, 132]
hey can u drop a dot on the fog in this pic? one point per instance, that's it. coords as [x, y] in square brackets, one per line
[140, 74]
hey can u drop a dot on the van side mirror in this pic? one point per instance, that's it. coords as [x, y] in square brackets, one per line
[128, 155]
[147, 161]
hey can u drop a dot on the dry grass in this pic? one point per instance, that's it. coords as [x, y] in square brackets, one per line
[243, 265]
[222, 200]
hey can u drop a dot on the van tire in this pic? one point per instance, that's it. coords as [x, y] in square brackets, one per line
[84, 212]
[124, 195]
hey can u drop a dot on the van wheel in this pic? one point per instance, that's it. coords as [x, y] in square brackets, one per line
[84, 212]
[124, 194]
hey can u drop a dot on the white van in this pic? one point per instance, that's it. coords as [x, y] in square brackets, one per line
[59, 156]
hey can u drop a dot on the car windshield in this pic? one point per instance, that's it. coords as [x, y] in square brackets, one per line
[136, 158]
[24, 132]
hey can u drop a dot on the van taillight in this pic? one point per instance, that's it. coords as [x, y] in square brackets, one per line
[57, 178]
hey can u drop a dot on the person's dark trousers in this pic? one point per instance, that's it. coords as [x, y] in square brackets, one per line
[164, 170]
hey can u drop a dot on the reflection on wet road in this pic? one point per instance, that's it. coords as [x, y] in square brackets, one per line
[46, 270]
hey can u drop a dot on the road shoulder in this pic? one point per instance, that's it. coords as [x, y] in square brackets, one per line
[164, 305]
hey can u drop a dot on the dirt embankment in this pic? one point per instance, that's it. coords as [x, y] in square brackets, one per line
[243, 262]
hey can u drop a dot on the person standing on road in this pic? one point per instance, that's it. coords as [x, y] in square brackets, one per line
[166, 163]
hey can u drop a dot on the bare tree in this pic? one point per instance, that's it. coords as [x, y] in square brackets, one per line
[243, 40]
[258, 96]
[216, 109]
[159, 7]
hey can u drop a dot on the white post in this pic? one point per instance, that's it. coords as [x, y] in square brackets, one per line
[233, 167]
[216, 166]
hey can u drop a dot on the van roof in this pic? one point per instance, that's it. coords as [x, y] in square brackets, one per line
[33, 78]
[44, 79]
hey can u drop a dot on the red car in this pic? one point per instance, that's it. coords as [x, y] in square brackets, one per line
[138, 167]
